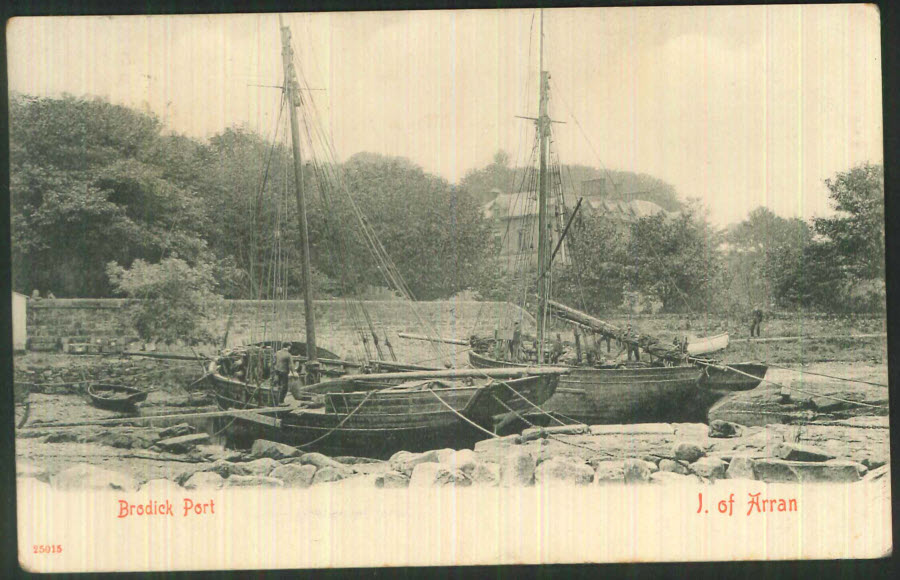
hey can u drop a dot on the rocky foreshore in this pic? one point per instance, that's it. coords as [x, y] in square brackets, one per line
[177, 457]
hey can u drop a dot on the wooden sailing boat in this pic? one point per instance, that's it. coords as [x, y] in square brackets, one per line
[589, 394]
[371, 414]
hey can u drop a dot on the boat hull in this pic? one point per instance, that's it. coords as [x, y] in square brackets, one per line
[124, 398]
[622, 395]
[392, 418]
[728, 380]
[708, 345]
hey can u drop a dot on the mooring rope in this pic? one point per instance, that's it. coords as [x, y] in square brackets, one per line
[860, 403]
[521, 396]
[341, 424]
[828, 376]
[550, 435]
[461, 416]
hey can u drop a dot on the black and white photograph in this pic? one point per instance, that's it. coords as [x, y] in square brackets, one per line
[449, 287]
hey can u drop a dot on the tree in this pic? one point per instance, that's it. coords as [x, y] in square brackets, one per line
[434, 232]
[856, 234]
[498, 176]
[675, 260]
[90, 182]
[765, 259]
[595, 277]
[847, 253]
[172, 299]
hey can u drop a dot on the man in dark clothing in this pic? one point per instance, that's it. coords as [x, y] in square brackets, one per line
[557, 351]
[755, 322]
[282, 371]
[515, 343]
[631, 344]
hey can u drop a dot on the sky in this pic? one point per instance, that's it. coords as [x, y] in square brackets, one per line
[739, 106]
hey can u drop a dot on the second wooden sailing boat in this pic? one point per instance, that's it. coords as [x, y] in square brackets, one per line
[589, 394]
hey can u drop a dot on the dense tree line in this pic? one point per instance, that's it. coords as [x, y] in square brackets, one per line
[104, 203]
[98, 186]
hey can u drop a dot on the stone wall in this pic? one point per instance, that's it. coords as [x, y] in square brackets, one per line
[54, 324]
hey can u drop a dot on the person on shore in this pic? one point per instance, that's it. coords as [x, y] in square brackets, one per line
[756, 318]
[282, 371]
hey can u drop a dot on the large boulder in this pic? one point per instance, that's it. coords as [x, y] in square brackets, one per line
[541, 432]
[321, 461]
[609, 472]
[485, 474]
[204, 480]
[253, 481]
[435, 474]
[216, 452]
[711, 468]
[672, 466]
[687, 451]
[405, 461]
[741, 467]
[879, 473]
[563, 470]
[294, 475]
[464, 460]
[517, 468]
[262, 466]
[636, 429]
[797, 452]
[835, 471]
[637, 471]
[391, 480]
[228, 468]
[495, 443]
[124, 439]
[183, 443]
[774, 471]
[89, 477]
[724, 429]
[177, 431]
[329, 474]
[263, 448]
[760, 440]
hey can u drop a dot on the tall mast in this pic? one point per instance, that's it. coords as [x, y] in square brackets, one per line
[543, 128]
[293, 96]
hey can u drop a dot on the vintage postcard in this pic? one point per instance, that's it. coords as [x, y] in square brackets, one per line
[378, 289]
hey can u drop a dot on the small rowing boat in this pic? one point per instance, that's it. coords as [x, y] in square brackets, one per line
[116, 397]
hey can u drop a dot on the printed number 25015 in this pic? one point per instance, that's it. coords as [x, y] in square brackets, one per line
[47, 548]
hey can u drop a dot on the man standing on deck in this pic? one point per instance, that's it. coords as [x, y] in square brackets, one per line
[755, 321]
[515, 343]
[558, 349]
[631, 344]
[282, 371]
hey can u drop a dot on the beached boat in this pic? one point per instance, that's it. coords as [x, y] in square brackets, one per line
[371, 411]
[588, 393]
[722, 377]
[708, 345]
[372, 416]
[116, 397]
